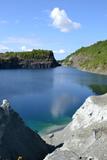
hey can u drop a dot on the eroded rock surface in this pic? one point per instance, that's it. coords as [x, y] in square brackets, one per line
[35, 59]
[85, 137]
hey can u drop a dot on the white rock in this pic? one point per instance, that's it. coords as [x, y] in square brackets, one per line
[5, 104]
[86, 135]
[93, 110]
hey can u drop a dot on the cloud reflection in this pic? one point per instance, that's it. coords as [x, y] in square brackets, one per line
[61, 104]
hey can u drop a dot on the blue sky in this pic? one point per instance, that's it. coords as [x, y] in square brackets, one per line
[60, 25]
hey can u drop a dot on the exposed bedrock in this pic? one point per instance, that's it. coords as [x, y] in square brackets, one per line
[85, 137]
[17, 141]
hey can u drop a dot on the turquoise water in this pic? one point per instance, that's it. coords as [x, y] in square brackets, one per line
[49, 98]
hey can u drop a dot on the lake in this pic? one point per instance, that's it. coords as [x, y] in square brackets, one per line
[48, 98]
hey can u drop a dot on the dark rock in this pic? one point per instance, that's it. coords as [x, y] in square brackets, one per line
[17, 141]
[36, 59]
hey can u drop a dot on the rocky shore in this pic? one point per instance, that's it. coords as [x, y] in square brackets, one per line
[92, 58]
[36, 59]
[85, 137]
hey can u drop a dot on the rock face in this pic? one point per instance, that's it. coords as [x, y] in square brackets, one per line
[92, 58]
[17, 141]
[85, 137]
[36, 59]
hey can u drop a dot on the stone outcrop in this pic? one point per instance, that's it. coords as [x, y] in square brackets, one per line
[17, 141]
[36, 59]
[92, 58]
[85, 137]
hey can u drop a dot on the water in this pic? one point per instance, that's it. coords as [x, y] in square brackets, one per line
[49, 98]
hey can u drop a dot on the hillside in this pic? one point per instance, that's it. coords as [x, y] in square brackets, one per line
[92, 58]
[28, 60]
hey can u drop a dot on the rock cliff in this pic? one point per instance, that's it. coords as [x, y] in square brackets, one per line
[85, 137]
[92, 58]
[17, 141]
[35, 59]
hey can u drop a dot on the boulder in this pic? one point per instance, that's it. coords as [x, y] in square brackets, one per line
[17, 141]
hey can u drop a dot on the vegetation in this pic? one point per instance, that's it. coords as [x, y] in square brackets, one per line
[98, 89]
[34, 54]
[92, 58]
[34, 59]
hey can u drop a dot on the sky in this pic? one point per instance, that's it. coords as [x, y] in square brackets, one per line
[59, 25]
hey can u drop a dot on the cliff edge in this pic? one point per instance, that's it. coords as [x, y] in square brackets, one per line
[35, 59]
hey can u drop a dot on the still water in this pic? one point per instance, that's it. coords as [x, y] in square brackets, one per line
[46, 98]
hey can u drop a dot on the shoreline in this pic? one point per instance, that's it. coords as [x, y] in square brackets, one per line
[94, 72]
[84, 70]
[50, 137]
[52, 130]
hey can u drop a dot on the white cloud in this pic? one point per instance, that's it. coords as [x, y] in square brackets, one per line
[24, 48]
[59, 51]
[17, 21]
[29, 41]
[19, 43]
[3, 48]
[62, 21]
[3, 21]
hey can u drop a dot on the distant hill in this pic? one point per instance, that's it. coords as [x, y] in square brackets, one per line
[92, 58]
[28, 60]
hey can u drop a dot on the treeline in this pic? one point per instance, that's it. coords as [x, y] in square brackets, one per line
[89, 58]
[34, 54]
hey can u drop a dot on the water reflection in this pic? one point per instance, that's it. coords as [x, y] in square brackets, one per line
[46, 97]
[60, 105]
[98, 89]
[23, 82]
[97, 83]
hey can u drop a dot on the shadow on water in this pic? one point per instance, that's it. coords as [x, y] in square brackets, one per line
[96, 82]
